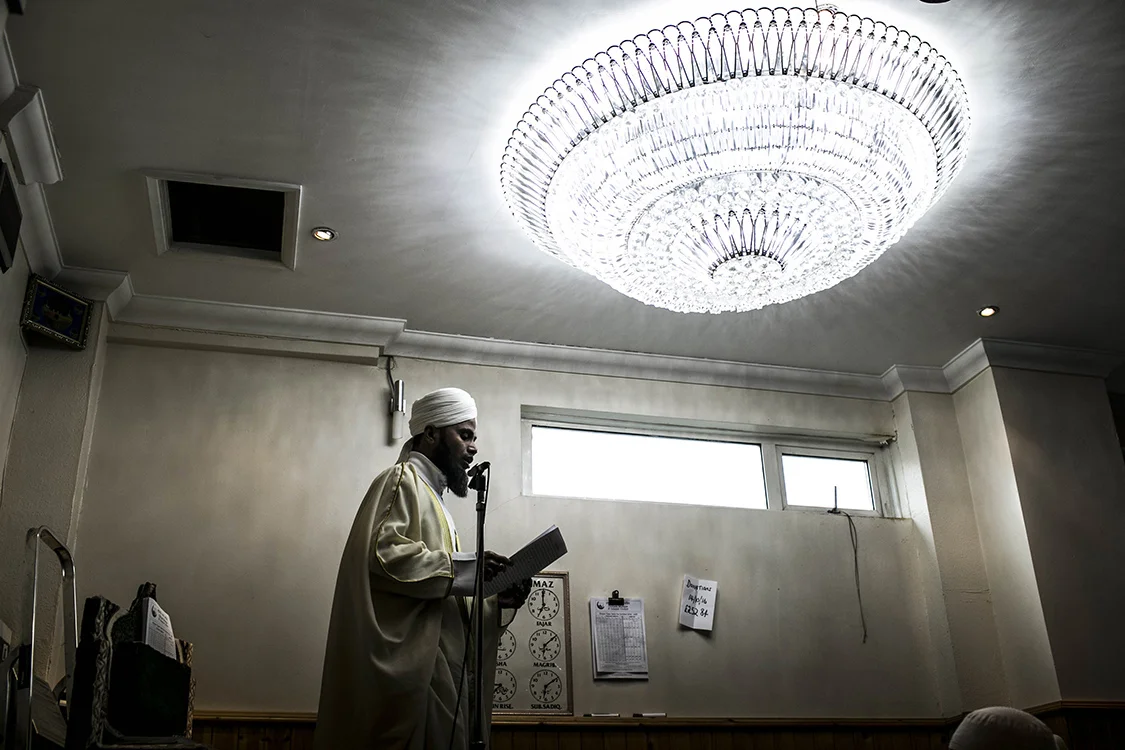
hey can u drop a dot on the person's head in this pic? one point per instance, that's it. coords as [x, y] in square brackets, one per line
[443, 428]
[1002, 728]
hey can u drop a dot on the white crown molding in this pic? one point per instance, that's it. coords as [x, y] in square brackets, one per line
[1058, 359]
[154, 321]
[139, 335]
[901, 378]
[23, 118]
[578, 360]
[114, 288]
[37, 233]
[966, 365]
[252, 320]
[1018, 355]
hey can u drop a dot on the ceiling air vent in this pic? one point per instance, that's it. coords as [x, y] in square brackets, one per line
[218, 216]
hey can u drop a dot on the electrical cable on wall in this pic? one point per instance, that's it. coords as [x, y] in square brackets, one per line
[854, 535]
[390, 366]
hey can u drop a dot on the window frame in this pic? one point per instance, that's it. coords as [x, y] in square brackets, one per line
[875, 474]
[773, 444]
[647, 430]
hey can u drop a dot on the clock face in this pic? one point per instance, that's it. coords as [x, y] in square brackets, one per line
[545, 686]
[545, 645]
[505, 686]
[507, 646]
[543, 604]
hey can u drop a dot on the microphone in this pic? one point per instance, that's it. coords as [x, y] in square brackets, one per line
[476, 477]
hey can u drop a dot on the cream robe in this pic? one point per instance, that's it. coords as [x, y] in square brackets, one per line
[397, 637]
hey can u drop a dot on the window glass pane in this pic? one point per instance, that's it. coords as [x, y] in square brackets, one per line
[811, 481]
[610, 466]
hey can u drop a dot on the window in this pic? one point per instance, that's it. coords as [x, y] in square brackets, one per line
[827, 482]
[608, 457]
[602, 465]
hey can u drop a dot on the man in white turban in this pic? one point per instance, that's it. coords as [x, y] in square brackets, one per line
[1002, 728]
[399, 635]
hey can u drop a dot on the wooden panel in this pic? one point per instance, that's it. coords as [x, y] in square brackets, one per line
[1084, 727]
[546, 740]
[702, 740]
[593, 740]
[570, 740]
[762, 740]
[616, 740]
[303, 737]
[722, 739]
[824, 740]
[902, 740]
[680, 740]
[785, 740]
[883, 740]
[224, 737]
[637, 741]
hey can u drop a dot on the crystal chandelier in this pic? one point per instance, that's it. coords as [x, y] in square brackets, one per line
[740, 160]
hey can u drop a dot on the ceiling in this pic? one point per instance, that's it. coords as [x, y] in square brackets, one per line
[393, 116]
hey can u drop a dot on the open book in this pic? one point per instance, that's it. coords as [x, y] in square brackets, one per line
[532, 558]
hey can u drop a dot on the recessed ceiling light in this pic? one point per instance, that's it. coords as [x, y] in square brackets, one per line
[988, 312]
[324, 234]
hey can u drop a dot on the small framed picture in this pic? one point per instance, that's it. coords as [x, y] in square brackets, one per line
[53, 312]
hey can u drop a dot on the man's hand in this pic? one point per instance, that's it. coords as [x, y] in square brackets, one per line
[514, 597]
[494, 564]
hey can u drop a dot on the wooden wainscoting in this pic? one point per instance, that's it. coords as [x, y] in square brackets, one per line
[1085, 726]
[249, 732]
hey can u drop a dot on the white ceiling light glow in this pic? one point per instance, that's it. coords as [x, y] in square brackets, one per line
[740, 160]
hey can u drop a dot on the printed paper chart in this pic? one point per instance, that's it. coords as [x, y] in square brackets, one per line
[533, 674]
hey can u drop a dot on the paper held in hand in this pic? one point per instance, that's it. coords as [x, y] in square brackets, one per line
[530, 560]
[156, 628]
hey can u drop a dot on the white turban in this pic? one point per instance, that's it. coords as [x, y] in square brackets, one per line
[1002, 728]
[441, 408]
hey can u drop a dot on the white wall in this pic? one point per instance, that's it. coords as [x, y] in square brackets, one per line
[1071, 478]
[44, 479]
[935, 485]
[1025, 648]
[13, 358]
[13, 350]
[231, 480]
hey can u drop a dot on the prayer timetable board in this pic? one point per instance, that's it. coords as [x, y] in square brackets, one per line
[533, 672]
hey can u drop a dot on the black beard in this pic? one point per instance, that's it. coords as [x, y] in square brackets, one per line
[455, 475]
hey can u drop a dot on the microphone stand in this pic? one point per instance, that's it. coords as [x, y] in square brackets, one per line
[479, 483]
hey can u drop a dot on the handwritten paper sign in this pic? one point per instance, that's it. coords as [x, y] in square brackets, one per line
[697, 605]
